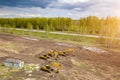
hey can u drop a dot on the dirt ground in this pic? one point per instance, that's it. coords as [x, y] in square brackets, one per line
[85, 65]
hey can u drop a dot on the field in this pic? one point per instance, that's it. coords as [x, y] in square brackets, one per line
[89, 63]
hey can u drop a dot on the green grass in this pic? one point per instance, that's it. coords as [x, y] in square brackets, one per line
[80, 40]
[6, 72]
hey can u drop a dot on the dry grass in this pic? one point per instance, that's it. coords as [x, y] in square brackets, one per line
[6, 72]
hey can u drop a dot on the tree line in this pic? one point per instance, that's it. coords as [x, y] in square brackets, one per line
[109, 26]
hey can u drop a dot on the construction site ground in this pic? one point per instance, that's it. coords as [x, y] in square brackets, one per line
[85, 65]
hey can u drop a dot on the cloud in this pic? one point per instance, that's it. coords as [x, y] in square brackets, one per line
[26, 3]
[83, 8]
[8, 12]
[72, 1]
[70, 4]
[59, 8]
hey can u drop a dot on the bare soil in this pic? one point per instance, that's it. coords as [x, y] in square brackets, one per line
[85, 65]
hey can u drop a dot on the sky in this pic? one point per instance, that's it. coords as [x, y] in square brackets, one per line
[59, 8]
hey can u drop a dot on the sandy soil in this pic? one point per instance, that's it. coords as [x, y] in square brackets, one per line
[86, 65]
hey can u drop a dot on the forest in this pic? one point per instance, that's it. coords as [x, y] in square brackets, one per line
[91, 25]
[108, 26]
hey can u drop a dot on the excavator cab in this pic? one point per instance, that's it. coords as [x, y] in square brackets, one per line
[46, 68]
[70, 51]
[52, 67]
[53, 53]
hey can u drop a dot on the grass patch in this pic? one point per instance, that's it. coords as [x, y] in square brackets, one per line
[82, 40]
[6, 72]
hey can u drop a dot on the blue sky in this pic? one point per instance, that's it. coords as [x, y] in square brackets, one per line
[59, 8]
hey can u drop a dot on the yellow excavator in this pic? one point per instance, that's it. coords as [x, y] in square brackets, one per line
[50, 54]
[45, 57]
[70, 51]
[56, 53]
[52, 67]
[53, 53]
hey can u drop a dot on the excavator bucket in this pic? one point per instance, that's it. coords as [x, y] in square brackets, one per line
[45, 57]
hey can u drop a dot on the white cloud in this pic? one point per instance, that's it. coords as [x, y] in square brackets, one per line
[32, 12]
[72, 1]
[77, 9]
[65, 8]
[19, 12]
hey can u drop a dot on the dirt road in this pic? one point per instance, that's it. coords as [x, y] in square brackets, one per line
[71, 34]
